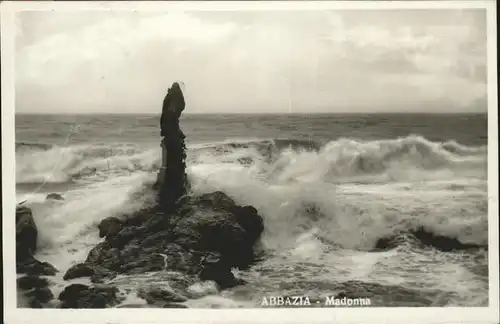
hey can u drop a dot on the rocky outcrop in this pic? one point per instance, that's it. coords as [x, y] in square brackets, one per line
[54, 196]
[161, 297]
[26, 244]
[109, 226]
[82, 296]
[206, 237]
[420, 236]
[35, 290]
[32, 266]
[78, 271]
[26, 233]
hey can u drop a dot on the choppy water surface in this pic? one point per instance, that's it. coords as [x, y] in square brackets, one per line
[327, 186]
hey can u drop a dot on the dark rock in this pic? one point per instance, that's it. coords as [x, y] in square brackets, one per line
[26, 233]
[35, 304]
[160, 296]
[389, 243]
[141, 216]
[30, 282]
[421, 236]
[127, 234]
[106, 256]
[135, 306]
[173, 305]
[54, 196]
[95, 255]
[73, 290]
[102, 274]
[250, 220]
[440, 242]
[212, 227]
[214, 268]
[179, 259]
[32, 266]
[110, 226]
[217, 200]
[159, 239]
[82, 296]
[39, 295]
[26, 239]
[145, 263]
[78, 271]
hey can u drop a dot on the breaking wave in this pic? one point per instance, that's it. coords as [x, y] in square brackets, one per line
[315, 197]
[279, 159]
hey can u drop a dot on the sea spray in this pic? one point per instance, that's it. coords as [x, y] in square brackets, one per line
[324, 206]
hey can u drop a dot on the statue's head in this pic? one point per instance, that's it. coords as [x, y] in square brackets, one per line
[178, 85]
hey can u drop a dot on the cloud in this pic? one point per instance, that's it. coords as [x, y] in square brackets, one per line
[250, 61]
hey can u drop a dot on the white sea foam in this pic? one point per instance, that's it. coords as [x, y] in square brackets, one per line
[323, 207]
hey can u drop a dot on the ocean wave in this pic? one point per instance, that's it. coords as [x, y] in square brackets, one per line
[64, 164]
[351, 216]
[277, 159]
[344, 159]
[319, 201]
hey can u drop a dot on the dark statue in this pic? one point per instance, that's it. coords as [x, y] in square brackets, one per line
[172, 179]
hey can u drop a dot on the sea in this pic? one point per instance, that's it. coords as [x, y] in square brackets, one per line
[328, 186]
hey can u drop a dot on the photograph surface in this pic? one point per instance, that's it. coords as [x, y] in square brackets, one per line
[252, 158]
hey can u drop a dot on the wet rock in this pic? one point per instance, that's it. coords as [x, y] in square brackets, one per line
[421, 236]
[54, 196]
[39, 296]
[145, 263]
[26, 233]
[210, 224]
[128, 234]
[135, 306]
[440, 242]
[101, 275]
[215, 269]
[32, 266]
[179, 259]
[159, 239]
[250, 220]
[110, 226]
[217, 200]
[95, 255]
[82, 296]
[30, 282]
[159, 296]
[78, 271]
[106, 256]
[173, 305]
[26, 239]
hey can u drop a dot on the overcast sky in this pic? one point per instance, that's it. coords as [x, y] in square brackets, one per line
[253, 62]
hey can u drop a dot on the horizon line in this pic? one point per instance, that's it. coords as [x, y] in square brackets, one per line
[265, 113]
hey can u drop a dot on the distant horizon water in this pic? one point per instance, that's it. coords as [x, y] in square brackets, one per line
[256, 114]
